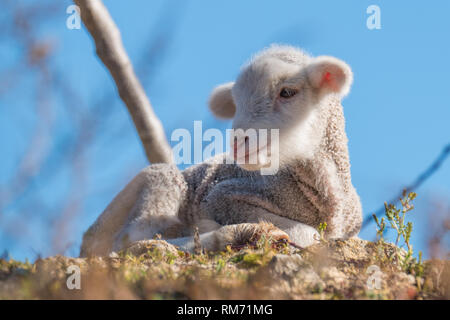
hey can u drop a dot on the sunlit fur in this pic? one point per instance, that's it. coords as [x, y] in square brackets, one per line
[230, 204]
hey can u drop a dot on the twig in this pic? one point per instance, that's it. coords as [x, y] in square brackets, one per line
[293, 244]
[197, 243]
[414, 186]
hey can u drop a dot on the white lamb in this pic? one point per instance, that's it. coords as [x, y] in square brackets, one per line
[280, 88]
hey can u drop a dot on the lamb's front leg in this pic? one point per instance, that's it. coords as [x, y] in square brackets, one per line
[299, 233]
[235, 202]
[260, 223]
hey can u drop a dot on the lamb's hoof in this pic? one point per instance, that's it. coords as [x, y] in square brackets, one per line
[239, 236]
[269, 231]
[252, 233]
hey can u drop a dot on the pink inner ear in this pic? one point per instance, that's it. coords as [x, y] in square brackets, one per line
[329, 81]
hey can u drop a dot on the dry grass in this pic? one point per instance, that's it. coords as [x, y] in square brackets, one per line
[157, 270]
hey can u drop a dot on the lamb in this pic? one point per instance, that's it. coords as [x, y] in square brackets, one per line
[234, 203]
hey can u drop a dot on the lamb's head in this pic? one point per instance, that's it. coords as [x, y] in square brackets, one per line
[280, 88]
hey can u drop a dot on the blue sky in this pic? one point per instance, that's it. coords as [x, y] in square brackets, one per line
[397, 112]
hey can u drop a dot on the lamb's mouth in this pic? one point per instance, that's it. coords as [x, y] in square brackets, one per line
[258, 157]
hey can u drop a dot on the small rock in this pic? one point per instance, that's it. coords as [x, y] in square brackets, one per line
[286, 266]
[113, 255]
[334, 277]
[310, 279]
[412, 279]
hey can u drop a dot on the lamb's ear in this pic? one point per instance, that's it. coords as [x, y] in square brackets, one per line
[221, 101]
[328, 74]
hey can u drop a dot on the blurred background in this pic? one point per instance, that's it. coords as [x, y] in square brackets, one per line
[68, 144]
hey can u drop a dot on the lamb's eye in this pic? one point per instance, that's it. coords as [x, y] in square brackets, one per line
[287, 93]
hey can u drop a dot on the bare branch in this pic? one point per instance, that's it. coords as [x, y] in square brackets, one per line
[110, 50]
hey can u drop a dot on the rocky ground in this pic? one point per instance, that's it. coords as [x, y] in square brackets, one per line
[351, 269]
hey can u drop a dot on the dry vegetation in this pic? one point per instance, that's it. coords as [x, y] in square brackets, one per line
[157, 270]
[154, 269]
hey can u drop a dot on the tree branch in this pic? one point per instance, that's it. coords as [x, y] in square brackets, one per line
[110, 50]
